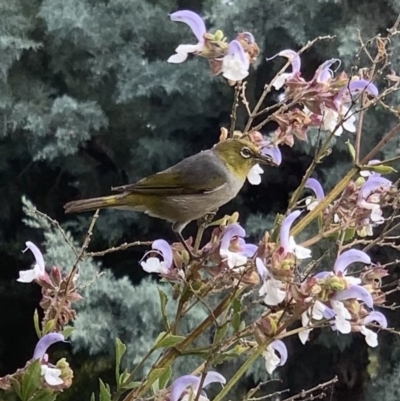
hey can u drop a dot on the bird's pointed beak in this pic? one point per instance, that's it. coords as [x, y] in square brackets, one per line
[266, 160]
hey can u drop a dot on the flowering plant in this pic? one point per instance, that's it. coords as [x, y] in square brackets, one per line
[280, 273]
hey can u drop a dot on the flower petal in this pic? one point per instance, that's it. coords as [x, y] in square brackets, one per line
[376, 317]
[192, 19]
[180, 385]
[349, 257]
[362, 85]
[235, 65]
[213, 377]
[247, 249]
[324, 71]
[45, 342]
[261, 269]
[233, 230]
[371, 338]
[280, 347]
[285, 229]
[27, 276]
[272, 151]
[293, 57]
[166, 251]
[254, 175]
[177, 58]
[316, 187]
[356, 292]
[371, 185]
[36, 253]
[151, 265]
[51, 375]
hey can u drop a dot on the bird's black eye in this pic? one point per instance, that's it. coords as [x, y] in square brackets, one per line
[246, 153]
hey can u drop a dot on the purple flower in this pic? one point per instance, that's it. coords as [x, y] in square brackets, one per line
[27, 276]
[361, 85]
[316, 187]
[295, 61]
[287, 241]
[50, 373]
[182, 383]
[153, 264]
[349, 257]
[371, 337]
[355, 292]
[324, 72]
[373, 184]
[198, 28]
[272, 289]
[272, 360]
[235, 259]
[235, 65]
[273, 151]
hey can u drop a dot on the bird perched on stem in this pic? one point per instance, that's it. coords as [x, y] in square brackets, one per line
[194, 187]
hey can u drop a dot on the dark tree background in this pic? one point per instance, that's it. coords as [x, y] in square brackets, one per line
[88, 101]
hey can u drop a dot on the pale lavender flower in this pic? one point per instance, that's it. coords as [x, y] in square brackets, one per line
[295, 62]
[287, 241]
[324, 72]
[27, 276]
[180, 385]
[373, 184]
[371, 338]
[272, 360]
[235, 259]
[316, 187]
[355, 292]
[349, 257]
[367, 173]
[155, 265]
[50, 373]
[198, 28]
[272, 289]
[235, 65]
[273, 151]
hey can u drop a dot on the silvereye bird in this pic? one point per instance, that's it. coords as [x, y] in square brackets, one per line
[193, 188]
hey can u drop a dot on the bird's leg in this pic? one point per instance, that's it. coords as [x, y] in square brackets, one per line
[202, 224]
[188, 250]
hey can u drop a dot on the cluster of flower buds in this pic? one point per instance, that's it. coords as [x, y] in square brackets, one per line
[232, 59]
[58, 290]
[359, 208]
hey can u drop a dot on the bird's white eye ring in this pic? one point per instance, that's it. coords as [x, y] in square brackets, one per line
[245, 152]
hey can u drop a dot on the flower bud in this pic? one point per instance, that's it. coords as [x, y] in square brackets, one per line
[66, 372]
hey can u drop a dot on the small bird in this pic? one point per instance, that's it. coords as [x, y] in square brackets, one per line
[193, 188]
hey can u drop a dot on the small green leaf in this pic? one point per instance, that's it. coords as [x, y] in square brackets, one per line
[16, 385]
[31, 380]
[131, 385]
[155, 387]
[220, 333]
[381, 169]
[48, 327]
[352, 151]
[163, 303]
[167, 341]
[237, 311]
[36, 324]
[67, 331]
[44, 395]
[92, 397]
[120, 349]
[105, 394]
[164, 378]
[155, 374]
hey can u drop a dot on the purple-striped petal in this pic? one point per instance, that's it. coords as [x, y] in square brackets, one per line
[316, 187]
[166, 251]
[293, 57]
[272, 151]
[233, 230]
[356, 292]
[36, 253]
[181, 384]
[285, 229]
[235, 48]
[261, 269]
[324, 71]
[376, 317]
[280, 347]
[194, 21]
[45, 342]
[349, 257]
[362, 85]
[372, 185]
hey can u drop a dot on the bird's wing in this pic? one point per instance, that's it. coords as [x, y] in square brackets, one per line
[197, 174]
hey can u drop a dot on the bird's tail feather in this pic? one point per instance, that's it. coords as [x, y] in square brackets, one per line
[86, 205]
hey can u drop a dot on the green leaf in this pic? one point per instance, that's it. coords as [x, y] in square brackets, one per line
[131, 385]
[155, 387]
[105, 394]
[237, 311]
[31, 380]
[163, 303]
[352, 151]
[36, 324]
[155, 374]
[164, 378]
[167, 341]
[48, 327]
[67, 331]
[120, 349]
[16, 385]
[92, 397]
[381, 169]
[44, 395]
[220, 332]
